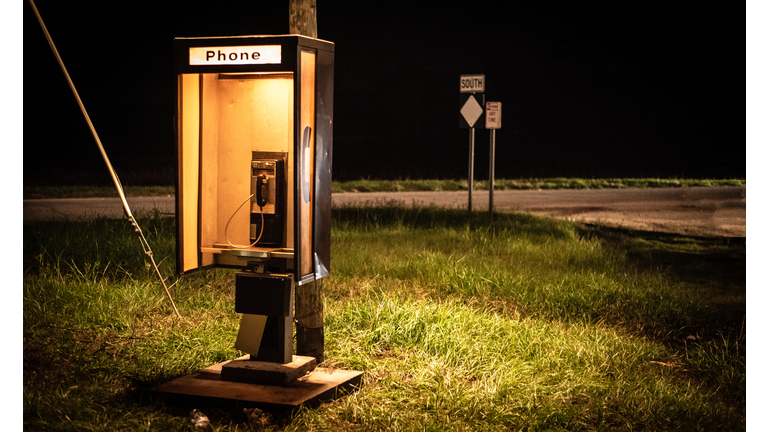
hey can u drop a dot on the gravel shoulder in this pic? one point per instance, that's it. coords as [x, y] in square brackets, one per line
[702, 211]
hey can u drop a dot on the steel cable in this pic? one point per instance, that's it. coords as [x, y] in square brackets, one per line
[118, 186]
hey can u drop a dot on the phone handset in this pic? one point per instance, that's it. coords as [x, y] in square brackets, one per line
[305, 162]
[262, 190]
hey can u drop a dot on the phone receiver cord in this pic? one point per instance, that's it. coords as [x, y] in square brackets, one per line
[112, 172]
[226, 228]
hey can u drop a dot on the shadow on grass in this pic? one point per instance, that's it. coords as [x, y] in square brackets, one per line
[432, 217]
[714, 267]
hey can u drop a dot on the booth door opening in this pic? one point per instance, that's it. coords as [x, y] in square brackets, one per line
[255, 114]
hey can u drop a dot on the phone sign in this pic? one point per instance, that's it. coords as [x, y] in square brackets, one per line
[235, 55]
[472, 84]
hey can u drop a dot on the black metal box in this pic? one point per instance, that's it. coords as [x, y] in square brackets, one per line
[262, 294]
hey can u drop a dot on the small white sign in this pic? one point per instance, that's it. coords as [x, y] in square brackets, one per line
[235, 55]
[472, 84]
[493, 115]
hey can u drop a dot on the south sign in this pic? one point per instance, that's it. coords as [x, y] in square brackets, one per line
[472, 84]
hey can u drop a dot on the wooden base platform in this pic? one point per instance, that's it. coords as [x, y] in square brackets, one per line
[207, 385]
[245, 370]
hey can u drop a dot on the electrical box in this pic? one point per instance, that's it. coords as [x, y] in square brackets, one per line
[255, 139]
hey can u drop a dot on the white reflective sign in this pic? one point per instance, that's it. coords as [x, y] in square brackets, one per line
[472, 84]
[235, 55]
[493, 115]
[471, 111]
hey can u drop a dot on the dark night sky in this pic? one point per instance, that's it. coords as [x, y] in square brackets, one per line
[633, 90]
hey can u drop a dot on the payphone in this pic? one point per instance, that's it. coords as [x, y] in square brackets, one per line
[255, 119]
[268, 194]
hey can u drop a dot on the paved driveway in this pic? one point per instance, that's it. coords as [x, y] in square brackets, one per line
[716, 211]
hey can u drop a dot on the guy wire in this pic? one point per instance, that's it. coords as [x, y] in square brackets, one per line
[112, 172]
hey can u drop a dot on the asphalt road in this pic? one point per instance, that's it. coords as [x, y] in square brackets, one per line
[710, 211]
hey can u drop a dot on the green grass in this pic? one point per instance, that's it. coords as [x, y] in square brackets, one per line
[37, 192]
[457, 321]
[42, 192]
[530, 183]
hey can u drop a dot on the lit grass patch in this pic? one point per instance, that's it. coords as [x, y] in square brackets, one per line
[459, 367]
[543, 267]
[459, 322]
[94, 347]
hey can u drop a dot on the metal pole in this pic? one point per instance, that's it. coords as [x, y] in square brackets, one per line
[471, 164]
[491, 171]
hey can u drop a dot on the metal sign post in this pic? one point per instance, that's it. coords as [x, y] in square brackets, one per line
[471, 175]
[491, 167]
[472, 110]
[492, 122]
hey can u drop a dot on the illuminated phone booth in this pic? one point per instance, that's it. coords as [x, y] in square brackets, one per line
[255, 134]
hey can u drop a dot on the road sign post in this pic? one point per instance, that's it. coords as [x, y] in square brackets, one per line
[471, 110]
[491, 167]
[492, 122]
[471, 175]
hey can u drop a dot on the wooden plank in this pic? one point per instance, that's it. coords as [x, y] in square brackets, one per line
[259, 372]
[321, 384]
[307, 159]
[309, 297]
[189, 158]
[209, 150]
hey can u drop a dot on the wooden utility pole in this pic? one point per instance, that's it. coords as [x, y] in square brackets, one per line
[310, 338]
[302, 17]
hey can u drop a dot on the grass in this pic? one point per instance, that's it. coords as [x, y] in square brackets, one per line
[457, 321]
[43, 192]
[37, 192]
[530, 183]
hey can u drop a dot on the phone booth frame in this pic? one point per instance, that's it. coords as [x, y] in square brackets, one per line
[213, 147]
[255, 116]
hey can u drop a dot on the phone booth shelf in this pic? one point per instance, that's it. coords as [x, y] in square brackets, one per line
[253, 193]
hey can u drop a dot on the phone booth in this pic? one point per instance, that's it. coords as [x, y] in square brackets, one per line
[253, 193]
[255, 139]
